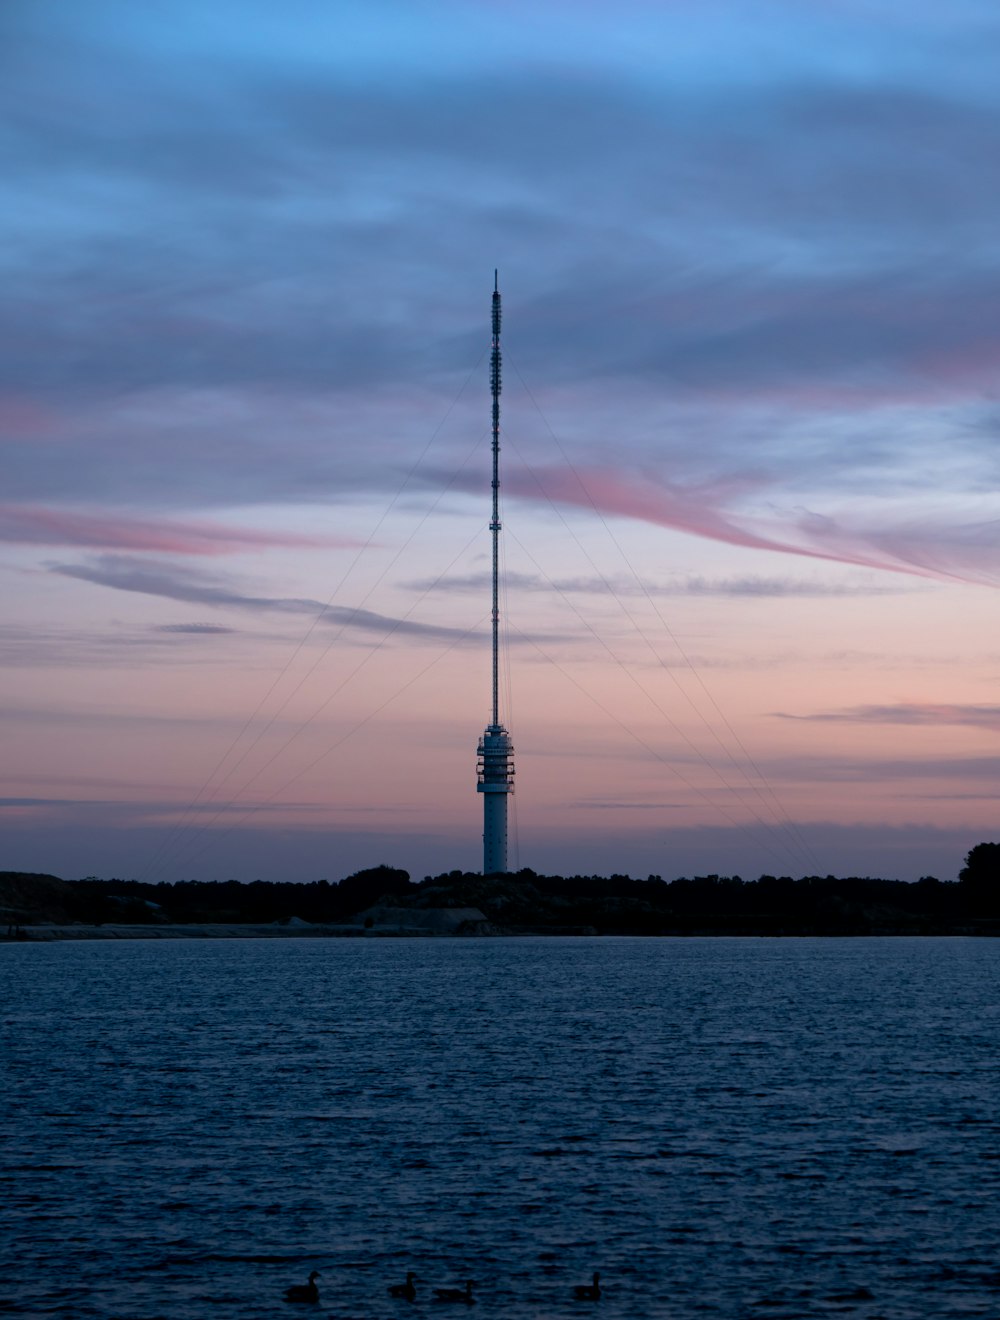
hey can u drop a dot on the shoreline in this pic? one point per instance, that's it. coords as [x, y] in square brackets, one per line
[48, 934]
[51, 934]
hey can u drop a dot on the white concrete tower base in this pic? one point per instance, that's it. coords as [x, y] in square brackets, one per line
[496, 781]
[494, 833]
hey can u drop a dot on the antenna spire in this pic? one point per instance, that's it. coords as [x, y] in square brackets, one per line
[495, 767]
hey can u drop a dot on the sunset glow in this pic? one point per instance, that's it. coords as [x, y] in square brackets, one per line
[750, 274]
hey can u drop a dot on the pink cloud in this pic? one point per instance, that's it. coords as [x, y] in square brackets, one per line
[967, 552]
[914, 713]
[928, 547]
[37, 526]
[693, 509]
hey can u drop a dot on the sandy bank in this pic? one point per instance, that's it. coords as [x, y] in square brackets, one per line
[378, 922]
[110, 931]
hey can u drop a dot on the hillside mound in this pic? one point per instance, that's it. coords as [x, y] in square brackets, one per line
[27, 898]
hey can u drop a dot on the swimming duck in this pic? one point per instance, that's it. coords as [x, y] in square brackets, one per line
[405, 1290]
[304, 1292]
[588, 1292]
[455, 1294]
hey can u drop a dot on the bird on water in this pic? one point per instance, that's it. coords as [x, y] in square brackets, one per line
[304, 1292]
[405, 1290]
[455, 1294]
[588, 1292]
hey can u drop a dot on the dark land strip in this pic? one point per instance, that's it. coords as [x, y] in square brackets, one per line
[383, 901]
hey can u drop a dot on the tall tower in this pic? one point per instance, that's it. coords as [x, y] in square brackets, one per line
[495, 768]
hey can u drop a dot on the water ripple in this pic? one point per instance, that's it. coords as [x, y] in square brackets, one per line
[726, 1128]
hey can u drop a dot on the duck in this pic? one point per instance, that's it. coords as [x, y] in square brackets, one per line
[405, 1290]
[588, 1292]
[456, 1294]
[304, 1292]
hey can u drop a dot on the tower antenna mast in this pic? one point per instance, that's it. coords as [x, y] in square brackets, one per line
[495, 767]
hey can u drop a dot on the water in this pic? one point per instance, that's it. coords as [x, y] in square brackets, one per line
[722, 1127]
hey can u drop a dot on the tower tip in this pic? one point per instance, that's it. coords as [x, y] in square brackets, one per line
[496, 281]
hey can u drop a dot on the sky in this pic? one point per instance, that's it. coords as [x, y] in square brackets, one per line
[750, 268]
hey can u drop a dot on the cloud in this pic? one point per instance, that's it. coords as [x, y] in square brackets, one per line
[797, 258]
[691, 585]
[754, 586]
[931, 548]
[194, 629]
[952, 797]
[174, 583]
[24, 525]
[130, 811]
[911, 713]
[40, 802]
[243, 262]
[827, 253]
[113, 647]
[593, 804]
[879, 771]
[108, 718]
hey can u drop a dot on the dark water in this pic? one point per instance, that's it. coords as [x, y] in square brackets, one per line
[722, 1127]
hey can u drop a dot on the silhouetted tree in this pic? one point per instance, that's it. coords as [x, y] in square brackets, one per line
[980, 880]
[363, 888]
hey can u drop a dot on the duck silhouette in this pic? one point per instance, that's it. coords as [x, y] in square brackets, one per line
[456, 1294]
[588, 1292]
[405, 1290]
[304, 1292]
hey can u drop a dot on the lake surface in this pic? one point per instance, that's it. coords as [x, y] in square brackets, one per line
[722, 1127]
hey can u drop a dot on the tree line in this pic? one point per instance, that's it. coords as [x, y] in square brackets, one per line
[525, 900]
